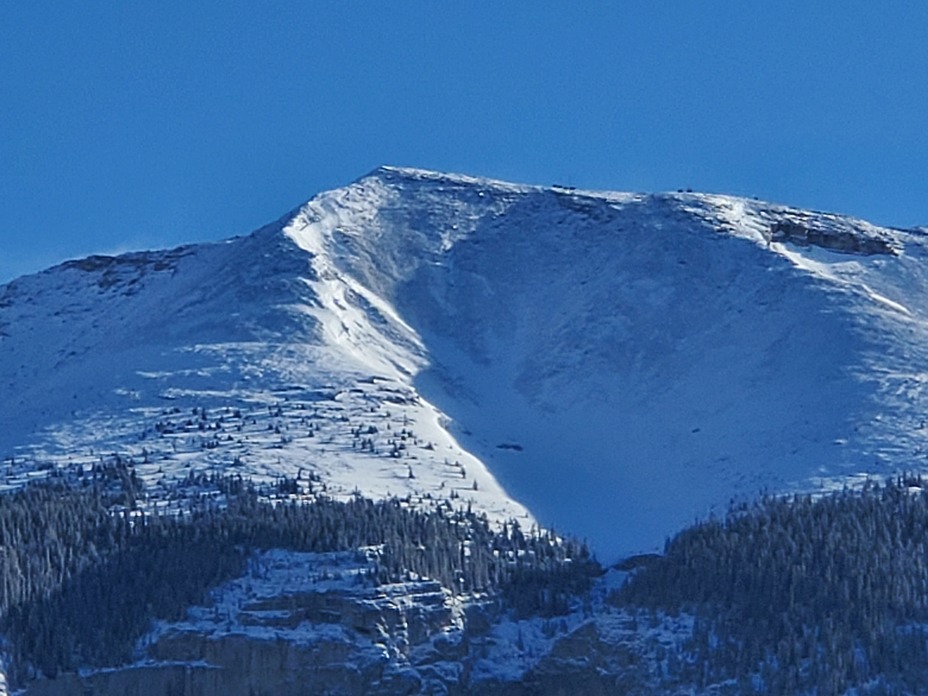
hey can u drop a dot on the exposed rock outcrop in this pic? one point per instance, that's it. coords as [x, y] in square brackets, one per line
[844, 241]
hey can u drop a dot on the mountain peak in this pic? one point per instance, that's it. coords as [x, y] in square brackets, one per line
[618, 362]
[412, 175]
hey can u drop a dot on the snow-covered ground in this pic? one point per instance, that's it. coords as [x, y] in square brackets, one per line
[616, 364]
[217, 359]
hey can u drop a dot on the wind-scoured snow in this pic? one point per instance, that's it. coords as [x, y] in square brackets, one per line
[232, 358]
[619, 364]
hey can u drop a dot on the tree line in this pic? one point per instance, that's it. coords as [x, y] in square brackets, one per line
[82, 576]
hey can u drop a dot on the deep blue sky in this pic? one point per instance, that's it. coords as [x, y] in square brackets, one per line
[133, 125]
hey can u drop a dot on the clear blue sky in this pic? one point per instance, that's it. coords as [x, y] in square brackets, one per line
[148, 124]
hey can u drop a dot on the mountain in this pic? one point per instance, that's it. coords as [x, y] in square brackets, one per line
[613, 365]
[610, 365]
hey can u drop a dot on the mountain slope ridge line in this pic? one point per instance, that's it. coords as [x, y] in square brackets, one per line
[618, 363]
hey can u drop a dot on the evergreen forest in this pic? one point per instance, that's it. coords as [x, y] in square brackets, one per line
[801, 594]
[83, 574]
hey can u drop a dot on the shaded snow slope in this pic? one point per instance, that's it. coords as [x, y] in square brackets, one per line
[622, 363]
[627, 362]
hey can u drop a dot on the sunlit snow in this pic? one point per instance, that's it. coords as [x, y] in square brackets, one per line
[616, 364]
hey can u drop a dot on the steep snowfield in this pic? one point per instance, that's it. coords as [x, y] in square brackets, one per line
[621, 363]
[221, 358]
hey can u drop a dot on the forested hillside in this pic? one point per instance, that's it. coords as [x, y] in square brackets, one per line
[795, 594]
[801, 594]
[81, 579]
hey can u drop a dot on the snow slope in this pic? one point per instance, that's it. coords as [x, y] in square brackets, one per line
[220, 358]
[619, 363]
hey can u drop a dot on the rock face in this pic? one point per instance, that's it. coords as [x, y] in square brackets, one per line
[298, 623]
[303, 623]
[311, 643]
[402, 639]
[844, 241]
[409, 612]
[583, 661]
[336, 641]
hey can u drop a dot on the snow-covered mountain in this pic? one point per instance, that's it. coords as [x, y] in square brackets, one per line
[610, 364]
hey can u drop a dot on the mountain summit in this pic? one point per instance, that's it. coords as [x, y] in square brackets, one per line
[612, 364]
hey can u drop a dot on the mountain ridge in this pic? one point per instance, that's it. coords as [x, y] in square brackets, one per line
[621, 362]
